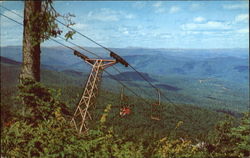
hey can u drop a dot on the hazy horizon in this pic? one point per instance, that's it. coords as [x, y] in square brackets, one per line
[129, 47]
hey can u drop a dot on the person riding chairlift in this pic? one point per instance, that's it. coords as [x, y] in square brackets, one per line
[125, 111]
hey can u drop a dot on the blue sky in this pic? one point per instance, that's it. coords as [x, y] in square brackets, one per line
[150, 24]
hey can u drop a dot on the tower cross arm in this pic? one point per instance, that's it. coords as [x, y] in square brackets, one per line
[109, 63]
[119, 59]
[84, 57]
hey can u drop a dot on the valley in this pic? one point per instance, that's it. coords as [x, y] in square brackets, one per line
[216, 79]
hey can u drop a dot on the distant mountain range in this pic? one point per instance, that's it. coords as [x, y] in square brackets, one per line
[9, 61]
[218, 79]
[227, 64]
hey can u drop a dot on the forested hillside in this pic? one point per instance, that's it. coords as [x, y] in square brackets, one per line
[44, 130]
[215, 79]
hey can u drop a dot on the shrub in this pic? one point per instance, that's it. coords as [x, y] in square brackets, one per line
[232, 141]
[53, 138]
[241, 137]
[38, 102]
[176, 148]
[44, 132]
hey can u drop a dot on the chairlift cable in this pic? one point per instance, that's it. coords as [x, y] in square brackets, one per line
[108, 72]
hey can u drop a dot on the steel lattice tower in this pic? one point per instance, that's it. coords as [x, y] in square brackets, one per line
[82, 115]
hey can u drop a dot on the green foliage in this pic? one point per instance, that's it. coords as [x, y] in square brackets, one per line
[175, 148]
[232, 141]
[53, 138]
[223, 140]
[45, 132]
[47, 139]
[6, 114]
[69, 35]
[38, 102]
[44, 24]
[241, 137]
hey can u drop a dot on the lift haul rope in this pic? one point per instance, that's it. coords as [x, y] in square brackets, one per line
[111, 54]
[115, 68]
[113, 77]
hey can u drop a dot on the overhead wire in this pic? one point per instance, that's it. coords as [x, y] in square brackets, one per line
[89, 40]
[86, 50]
[144, 100]
[115, 68]
[105, 70]
[112, 76]
[11, 19]
[128, 64]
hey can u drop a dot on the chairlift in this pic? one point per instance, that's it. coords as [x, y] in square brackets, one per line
[125, 111]
[155, 109]
[125, 108]
[155, 118]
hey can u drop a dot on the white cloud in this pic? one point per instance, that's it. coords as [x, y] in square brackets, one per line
[106, 14]
[199, 19]
[103, 15]
[129, 16]
[126, 32]
[157, 4]
[164, 35]
[159, 7]
[246, 30]
[139, 5]
[80, 26]
[235, 6]
[207, 33]
[160, 10]
[174, 9]
[11, 33]
[242, 18]
[123, 30]
[210, 25]
[195, 6]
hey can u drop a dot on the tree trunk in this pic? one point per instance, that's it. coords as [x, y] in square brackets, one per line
[31, 41]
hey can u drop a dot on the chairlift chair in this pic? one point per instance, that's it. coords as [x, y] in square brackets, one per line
[155, 113]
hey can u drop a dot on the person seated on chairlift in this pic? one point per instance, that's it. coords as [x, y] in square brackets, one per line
[125, 111]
